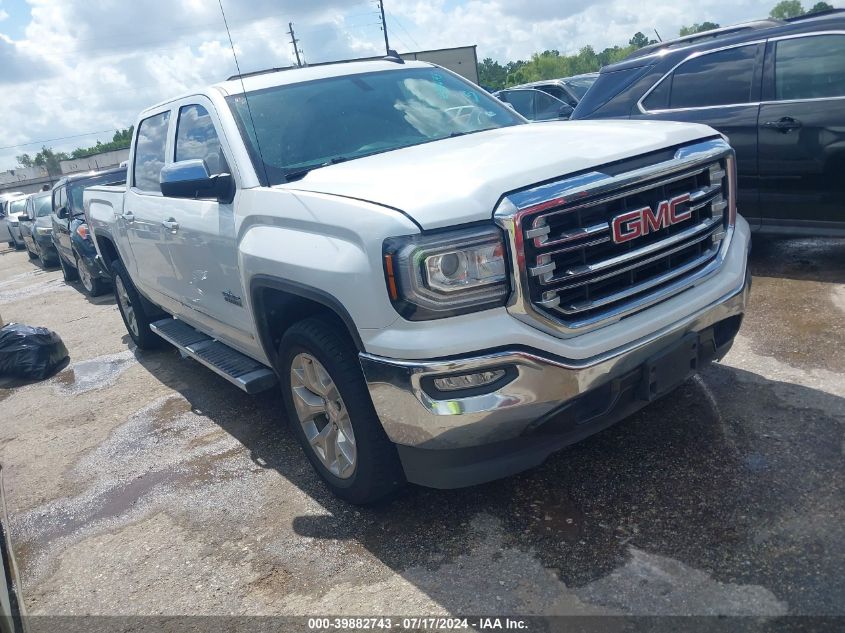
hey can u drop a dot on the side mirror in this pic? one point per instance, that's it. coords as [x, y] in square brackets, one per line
[61, 213]
[190, 179]
[565, 111]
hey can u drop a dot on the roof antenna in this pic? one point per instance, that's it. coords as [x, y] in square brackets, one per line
[246, 99]
[393, 56]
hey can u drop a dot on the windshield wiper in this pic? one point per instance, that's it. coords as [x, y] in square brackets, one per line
[300, 172]
[483, 129]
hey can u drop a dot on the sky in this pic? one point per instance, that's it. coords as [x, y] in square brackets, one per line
[73, 71]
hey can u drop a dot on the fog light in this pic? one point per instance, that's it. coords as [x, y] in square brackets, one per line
[468, 381]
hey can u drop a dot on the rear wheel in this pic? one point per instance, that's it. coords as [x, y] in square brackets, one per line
[93, 285]
[133, 309]
[69, 274]
[332, 416]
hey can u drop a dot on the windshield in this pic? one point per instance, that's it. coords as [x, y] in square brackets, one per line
[75, 188]
[580, 85]
[17, 206]
[308, 125]
[43, 204]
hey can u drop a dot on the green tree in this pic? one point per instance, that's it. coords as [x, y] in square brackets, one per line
[820, 6]
[50, 159]
[491, 74]
[24, 160]
[787, 9]
[639, 40]
[698, 28]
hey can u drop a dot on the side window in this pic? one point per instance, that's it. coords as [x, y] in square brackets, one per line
[522, 101]
[546, 107]
[149, 152]
[712, 79]
[810, 67]
[30, 212]
[197, 138]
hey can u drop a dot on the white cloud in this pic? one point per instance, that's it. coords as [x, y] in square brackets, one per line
[82, 66]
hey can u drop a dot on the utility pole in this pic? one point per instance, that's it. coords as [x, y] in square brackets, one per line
[384, 27]
[295, 43]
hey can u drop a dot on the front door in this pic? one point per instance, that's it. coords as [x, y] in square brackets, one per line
[144, 212]
[202, 238]
[802, 134]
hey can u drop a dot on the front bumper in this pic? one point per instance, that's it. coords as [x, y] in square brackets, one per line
[546, 404]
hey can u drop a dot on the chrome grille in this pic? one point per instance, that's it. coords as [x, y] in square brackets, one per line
[575, 275]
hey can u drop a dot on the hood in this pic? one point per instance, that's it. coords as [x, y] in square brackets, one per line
[459, 180]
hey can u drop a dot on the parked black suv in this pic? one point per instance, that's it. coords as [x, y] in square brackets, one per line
[775, 88]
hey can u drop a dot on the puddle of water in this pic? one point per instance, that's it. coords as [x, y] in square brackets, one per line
[557, 515]
[95, 373]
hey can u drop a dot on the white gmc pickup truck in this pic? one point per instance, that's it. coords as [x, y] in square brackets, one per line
[446, 293]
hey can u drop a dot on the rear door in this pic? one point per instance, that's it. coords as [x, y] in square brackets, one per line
[720, 88]
[202, 241]
[802, 133]
[145, 211]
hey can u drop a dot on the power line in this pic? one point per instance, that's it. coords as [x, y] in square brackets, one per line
[60, 138]
[401, 26]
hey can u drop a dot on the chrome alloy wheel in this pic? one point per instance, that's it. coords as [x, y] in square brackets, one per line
[323, 415]
[85, 275]
[126, 305]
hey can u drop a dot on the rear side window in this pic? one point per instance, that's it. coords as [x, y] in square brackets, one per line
[713, 79]
[149, 152]
[810, 67]
[59, 199]
[605, 88]
[197, 138]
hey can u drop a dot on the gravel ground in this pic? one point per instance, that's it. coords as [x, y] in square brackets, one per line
[141, 483]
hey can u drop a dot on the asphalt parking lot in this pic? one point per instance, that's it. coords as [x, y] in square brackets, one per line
[141, 483]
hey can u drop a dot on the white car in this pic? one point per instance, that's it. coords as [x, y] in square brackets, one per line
[14, 208]
[444, 293]
[5, 232]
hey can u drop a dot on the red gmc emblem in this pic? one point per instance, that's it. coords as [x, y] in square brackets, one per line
[633, 224]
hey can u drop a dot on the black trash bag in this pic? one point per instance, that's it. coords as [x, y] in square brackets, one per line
[31, 353]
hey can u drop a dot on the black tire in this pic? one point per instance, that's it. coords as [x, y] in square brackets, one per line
[142, 335]
[69, 274]
[378, 473]
[19, 247]
[31, 254]
[91, 284]
[11, 244]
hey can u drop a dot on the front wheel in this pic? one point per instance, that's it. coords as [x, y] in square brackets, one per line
[30, 253]
[133, 309]
[332, 416]
[93, 285]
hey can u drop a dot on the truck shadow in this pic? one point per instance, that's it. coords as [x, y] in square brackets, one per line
[803, 259]
[733, 474]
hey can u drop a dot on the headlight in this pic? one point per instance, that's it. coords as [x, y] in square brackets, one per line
[441, 275]
[43, 230]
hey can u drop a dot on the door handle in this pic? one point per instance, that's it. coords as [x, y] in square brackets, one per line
[784, 124]
[128, 216]
[172, 225]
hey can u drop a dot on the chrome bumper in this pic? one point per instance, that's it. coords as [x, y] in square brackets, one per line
[540, 385]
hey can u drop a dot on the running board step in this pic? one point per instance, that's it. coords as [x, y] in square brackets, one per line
[237, 368]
